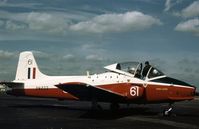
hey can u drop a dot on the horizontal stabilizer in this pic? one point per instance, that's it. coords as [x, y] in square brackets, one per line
[12, 84]
[89, 93]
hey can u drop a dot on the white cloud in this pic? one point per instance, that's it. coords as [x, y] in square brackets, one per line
[189, 26]
[68, 57]
[46, 22]
[167, 5]
[6, 3]
[95, 50]
[6, 54]
[51, 22]
[129, 21]
[94, 57]
[40, 54]
[170, 4]
[87, 47]
[10, 25]
[59, 22]
[191, 11]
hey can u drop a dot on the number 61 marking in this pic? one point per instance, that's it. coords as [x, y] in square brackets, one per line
[134, 91]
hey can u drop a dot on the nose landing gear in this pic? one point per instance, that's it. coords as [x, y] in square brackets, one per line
[168, 110]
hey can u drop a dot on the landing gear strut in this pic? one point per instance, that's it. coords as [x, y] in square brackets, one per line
[168, 111]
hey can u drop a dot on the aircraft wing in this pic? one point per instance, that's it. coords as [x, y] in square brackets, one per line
[88, 92]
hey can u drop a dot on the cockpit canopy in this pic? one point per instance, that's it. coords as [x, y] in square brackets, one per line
[134, 69]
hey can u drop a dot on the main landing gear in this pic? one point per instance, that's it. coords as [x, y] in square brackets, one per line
[168, 110]
[95, 106]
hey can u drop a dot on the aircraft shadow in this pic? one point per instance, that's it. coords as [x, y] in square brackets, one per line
[47, 106]
[109, 115]
[106, 114]
[88, 113]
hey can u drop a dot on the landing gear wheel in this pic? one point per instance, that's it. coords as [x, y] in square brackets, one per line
[97, 107]
[114, 106]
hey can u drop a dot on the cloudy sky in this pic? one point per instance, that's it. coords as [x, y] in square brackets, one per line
[71, 37]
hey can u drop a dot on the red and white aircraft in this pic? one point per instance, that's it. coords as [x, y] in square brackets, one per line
[122, 83]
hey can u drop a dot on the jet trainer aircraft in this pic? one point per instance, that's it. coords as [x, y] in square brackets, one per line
[122, 83]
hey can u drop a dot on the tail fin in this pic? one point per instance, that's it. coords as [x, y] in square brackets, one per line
[27, 67]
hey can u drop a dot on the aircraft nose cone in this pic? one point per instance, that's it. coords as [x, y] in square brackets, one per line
[196, 92]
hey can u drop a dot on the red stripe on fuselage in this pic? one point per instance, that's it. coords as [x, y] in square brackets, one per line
[151, 93]
[156, 93]
[45, 93]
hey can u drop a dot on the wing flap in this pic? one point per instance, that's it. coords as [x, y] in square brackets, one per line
[88, 92]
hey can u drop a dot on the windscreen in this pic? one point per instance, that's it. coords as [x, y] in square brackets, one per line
[154, 72]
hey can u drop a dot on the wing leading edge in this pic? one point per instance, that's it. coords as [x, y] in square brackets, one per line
[88, 93]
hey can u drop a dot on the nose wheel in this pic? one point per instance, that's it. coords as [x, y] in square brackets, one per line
[168, 111]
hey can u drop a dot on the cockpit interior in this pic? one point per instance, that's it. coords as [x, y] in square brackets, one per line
[136, 69]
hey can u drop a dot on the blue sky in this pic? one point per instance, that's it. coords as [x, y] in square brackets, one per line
[71, 37]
